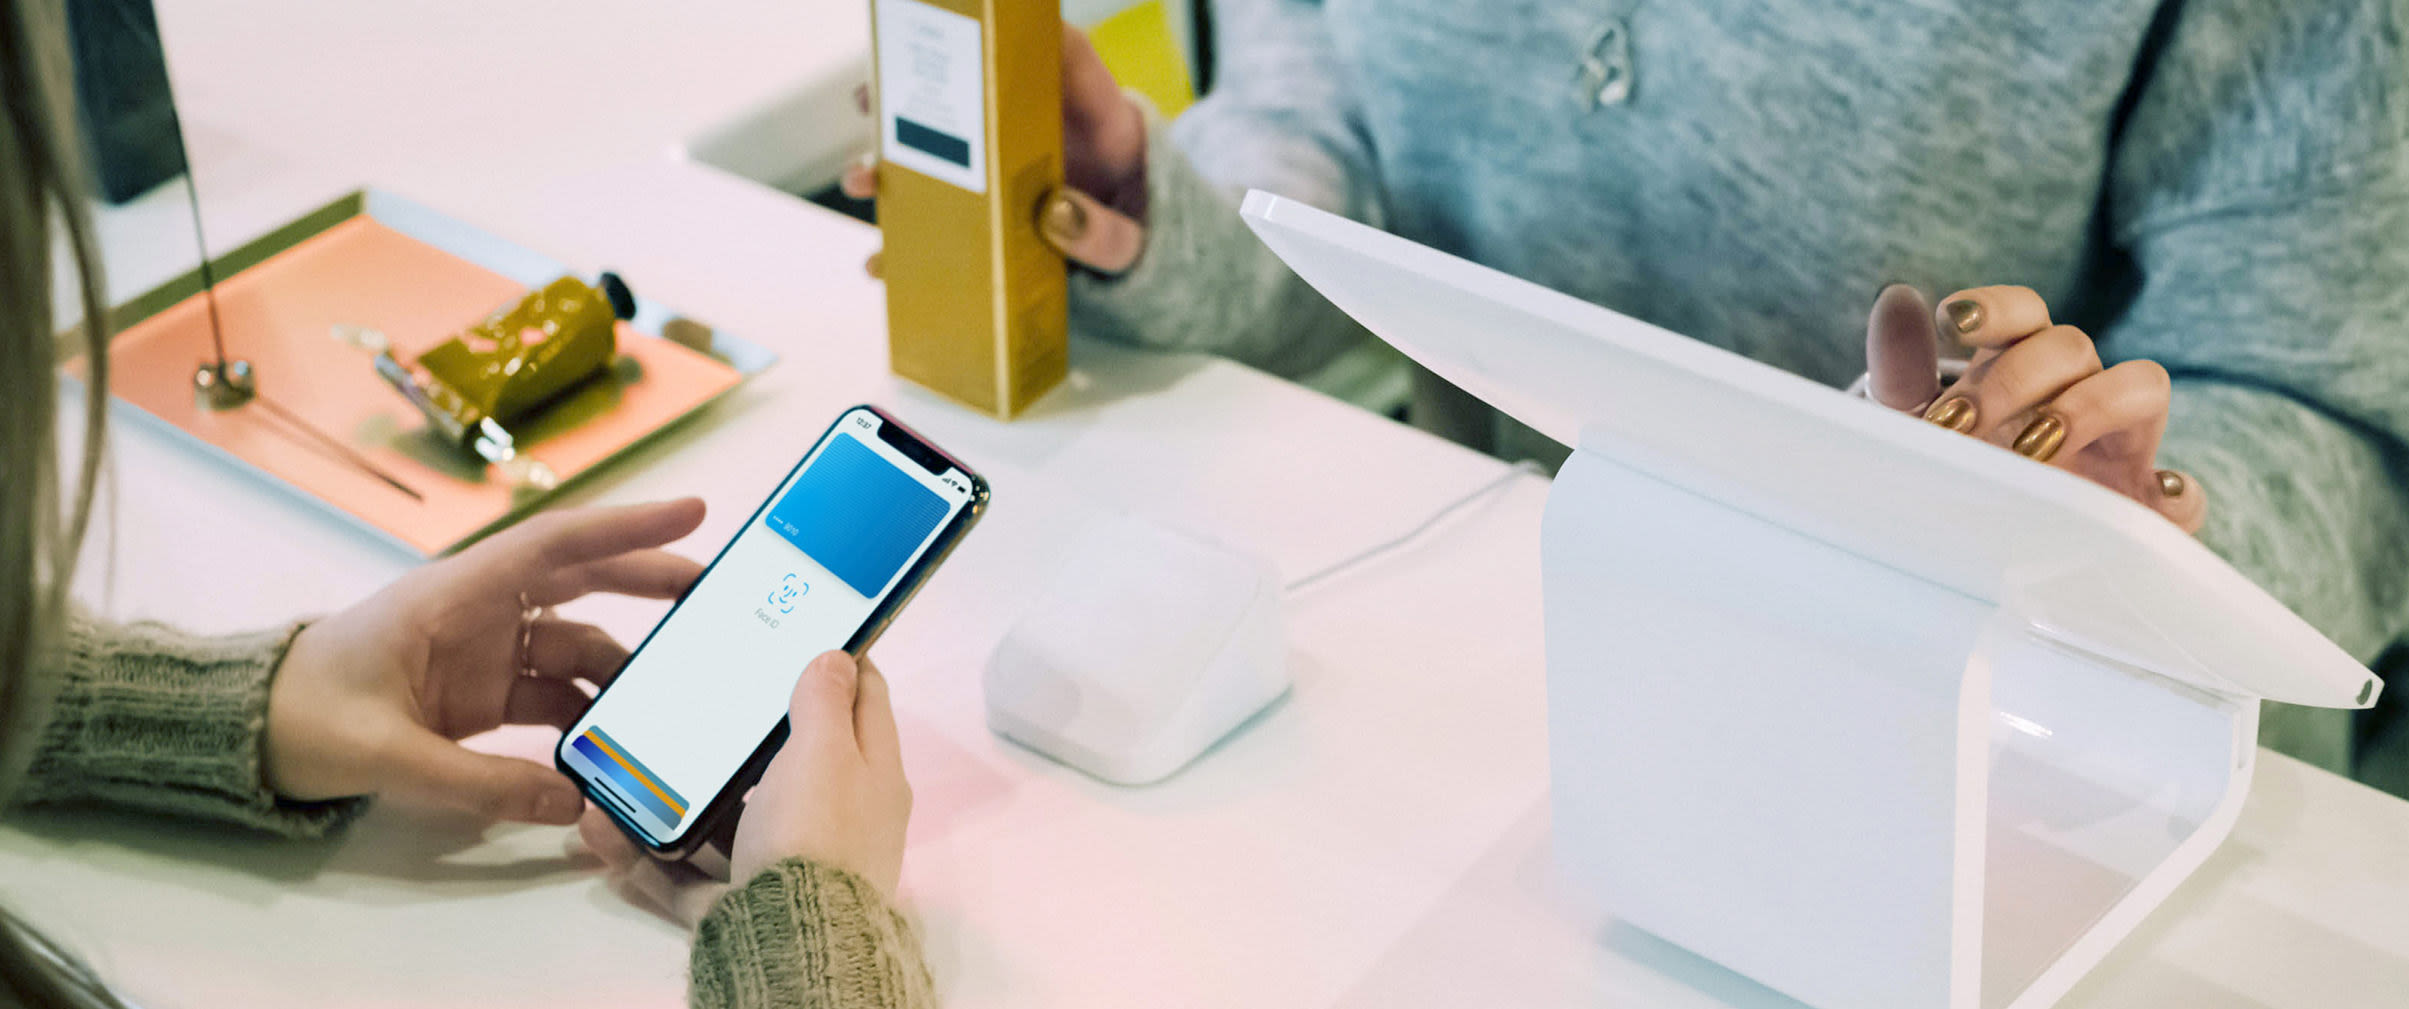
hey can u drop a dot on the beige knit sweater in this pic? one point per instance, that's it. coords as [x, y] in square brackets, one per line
[149, 718]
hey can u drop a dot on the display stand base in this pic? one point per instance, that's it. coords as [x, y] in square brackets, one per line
[1853, 785]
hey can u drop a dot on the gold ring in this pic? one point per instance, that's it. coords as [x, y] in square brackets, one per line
[528, 613]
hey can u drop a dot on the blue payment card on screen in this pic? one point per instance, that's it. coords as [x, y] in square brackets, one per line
[857, 515]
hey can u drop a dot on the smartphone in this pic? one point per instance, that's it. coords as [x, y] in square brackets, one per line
[826, 561]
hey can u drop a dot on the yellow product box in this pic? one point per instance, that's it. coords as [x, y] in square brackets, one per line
[970, 142]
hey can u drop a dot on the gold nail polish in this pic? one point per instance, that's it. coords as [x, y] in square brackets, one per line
[1965, 315]
[2042, 438]
[2171, 483]
[1953, 412]
[1065, 221]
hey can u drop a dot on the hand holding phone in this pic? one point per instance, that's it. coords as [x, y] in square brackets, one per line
[835, 793]
[372, 700]
[697, 712]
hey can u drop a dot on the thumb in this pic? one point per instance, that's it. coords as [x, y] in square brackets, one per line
[431, 770]
[1902, 351]
[820, 714]
[1087, 232]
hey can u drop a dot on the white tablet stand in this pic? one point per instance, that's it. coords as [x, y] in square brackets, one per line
[1849, 783]
[1874, 714]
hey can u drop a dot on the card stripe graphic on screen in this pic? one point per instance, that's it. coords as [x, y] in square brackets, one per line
[643, 775]
[857, 515]
[633, 779]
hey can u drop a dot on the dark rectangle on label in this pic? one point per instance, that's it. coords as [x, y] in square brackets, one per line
[933, 142]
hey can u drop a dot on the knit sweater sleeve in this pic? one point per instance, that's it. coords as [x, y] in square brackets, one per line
[801, 935]
[2261, 189]
[146, 717]
[1283, 118]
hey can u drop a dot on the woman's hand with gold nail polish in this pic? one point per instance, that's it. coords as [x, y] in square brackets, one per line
[2033, 387]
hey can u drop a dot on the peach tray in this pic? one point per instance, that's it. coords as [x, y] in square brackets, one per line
[374, 260]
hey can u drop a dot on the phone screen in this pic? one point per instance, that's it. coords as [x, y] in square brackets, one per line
[807, 574]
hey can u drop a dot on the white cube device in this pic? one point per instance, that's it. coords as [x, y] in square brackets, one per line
[1148, 646]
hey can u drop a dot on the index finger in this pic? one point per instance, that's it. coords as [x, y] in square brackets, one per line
[1992, 316]
[565, 538]
[1902, 359]
[644, 574]
[1087, 232]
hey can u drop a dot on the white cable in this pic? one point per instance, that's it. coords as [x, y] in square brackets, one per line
[1519, 469]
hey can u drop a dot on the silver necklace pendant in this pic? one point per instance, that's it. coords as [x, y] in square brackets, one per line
[1605, 75]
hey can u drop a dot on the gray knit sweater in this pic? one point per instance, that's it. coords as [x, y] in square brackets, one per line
[146, 717]
[2218, 185]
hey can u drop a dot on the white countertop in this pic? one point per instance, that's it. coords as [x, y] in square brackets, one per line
[1378, 839]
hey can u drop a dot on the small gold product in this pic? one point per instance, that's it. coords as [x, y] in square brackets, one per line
[526, 354]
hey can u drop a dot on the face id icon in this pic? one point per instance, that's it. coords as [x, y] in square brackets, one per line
[789, 589]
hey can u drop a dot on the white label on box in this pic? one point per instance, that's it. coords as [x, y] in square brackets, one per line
[932, 92]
